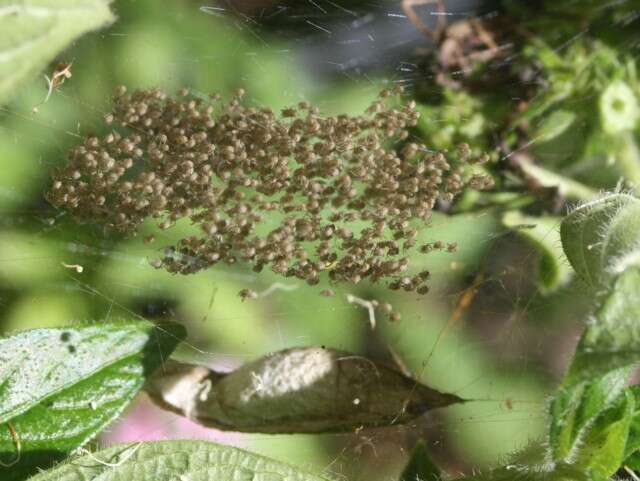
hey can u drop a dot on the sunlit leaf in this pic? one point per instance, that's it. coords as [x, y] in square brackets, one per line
[420, 467]
[60, 387]
[34, 32]
[299, 390]
[544, 233]
[175, 461]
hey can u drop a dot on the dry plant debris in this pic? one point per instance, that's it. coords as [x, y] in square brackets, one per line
[300, 193]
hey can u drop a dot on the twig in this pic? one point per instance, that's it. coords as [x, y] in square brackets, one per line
[408, 8]
[277, 286]
[631, 473]
[16, 440]
[77, 267]
[370, 306]
[60, 74]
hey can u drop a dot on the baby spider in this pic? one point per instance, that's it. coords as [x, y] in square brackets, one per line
[247, 294]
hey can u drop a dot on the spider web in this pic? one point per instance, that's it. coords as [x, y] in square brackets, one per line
[485, 332]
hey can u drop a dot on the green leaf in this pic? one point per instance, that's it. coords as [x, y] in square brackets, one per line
[575, 406]
[175, 461]
[298, 390]
[35, 31]
[554, 125]
[602, 451]
[632, 450]
[544, 233]
[633, 461]
[566, 186]
[60, 387]
[607, 350]
[612, 338]
[420, 467]
[592, 415]
[602, 238]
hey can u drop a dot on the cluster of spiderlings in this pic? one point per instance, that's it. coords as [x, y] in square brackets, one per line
[300, 193]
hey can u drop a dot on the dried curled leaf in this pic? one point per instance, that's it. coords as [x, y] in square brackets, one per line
[298, 390]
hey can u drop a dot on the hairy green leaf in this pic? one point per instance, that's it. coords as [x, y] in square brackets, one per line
[592, 415]
[175, 461]
[298, 390]
[544, 233]
[420, 467]
[607, 350]
[602, 450]
[602, 238]
[35, 31]
[612, 338]
[61, 387]
[517, 472]
[574, 407]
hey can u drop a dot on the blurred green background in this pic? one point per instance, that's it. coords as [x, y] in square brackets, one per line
[507, 348]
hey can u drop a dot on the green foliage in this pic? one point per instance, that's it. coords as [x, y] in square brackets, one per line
[592, 415]
[34, 32]
[458, 117]
[594, 422]
[59, 388]
[602, 138]
[174, 460]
